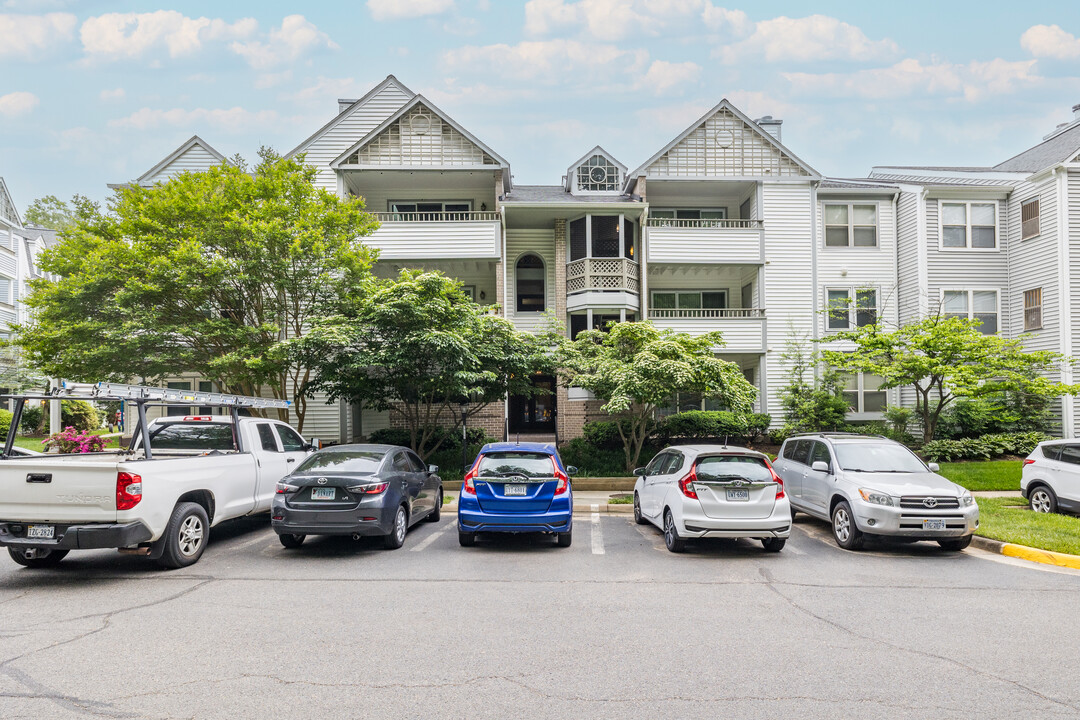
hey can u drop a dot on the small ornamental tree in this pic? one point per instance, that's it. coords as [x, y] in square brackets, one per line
[417, 346]
[946, 358]
[635, 368]
[811, 403]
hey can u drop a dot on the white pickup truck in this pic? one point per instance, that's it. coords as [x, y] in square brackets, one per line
[161, 507]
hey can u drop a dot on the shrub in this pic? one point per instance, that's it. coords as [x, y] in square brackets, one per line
[986, 447]
[79, 414]
[31, 419]
[757, 425]
[702, 425]
[970, 418]
[592, 461]
[450, 437]
[602, 434]
[899, 417]
[74, 441]
[5, 422]
[777, 436]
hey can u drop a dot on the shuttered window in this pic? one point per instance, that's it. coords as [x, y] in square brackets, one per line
[1033, 308]
[1029, 219]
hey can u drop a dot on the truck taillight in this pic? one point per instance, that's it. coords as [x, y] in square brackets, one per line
[128, 490]
[684, 484]
[201, 418]
[467, 486]
[562, 480]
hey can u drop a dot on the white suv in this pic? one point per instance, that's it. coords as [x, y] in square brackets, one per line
[868, 485]
[1050, 479]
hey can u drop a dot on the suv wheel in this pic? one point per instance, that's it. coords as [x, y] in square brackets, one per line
[955, 544]
[844, 531]
[1043, 500]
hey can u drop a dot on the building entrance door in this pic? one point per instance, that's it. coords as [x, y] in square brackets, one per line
[534, 414]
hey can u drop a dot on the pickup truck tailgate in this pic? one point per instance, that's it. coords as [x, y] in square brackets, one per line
[58, 489]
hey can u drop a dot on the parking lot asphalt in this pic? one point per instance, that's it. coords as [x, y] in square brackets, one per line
[614, 626]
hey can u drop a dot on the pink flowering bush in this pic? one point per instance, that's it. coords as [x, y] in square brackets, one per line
[74, 441]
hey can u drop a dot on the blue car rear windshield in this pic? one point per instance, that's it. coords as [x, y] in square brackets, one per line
[529, 464]
[348, 461]
[745, 467]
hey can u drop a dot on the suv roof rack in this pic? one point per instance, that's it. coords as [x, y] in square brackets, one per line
[835, 433]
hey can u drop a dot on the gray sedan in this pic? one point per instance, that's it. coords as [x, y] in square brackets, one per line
[356, 490]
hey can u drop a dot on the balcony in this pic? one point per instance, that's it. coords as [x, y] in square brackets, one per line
[604, 282]
[436, 235]
[705, 241]
[743, 328]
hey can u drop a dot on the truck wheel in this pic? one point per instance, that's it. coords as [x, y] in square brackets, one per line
[292, 540]
[186, 536]
[396, 538]
[435, 514]
[36, 557]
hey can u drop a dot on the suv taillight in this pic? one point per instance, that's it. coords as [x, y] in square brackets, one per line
[128, 490]
[467, 486]
[561, 478]
[684, 484]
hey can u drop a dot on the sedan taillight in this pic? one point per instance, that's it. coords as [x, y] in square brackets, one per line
[371, 489]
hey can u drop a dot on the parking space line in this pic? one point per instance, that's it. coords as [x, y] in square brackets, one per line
[430, 538]
[259, 537]
[597, 532]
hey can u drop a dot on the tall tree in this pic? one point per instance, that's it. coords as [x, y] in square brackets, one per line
[944, 358]
[416, 346]
[53, 213]
[206, 273]
[635, 368]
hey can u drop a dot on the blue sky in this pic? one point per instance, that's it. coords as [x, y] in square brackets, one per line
[96, 92]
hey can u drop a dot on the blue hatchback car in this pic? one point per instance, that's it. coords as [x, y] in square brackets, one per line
[516, 488]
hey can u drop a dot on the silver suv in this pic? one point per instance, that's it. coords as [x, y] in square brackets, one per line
[866, 485]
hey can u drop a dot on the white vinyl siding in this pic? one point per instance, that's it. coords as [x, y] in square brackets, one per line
[541, 243]
[1034, 263]
[195, 159]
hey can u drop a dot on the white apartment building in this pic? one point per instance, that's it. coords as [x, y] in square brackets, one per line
[724, 228]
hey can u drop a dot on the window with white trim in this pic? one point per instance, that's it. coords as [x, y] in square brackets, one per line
[845, 314]
[981, 305]
[1029, 219]
[1033, 309]
[431, 210]
[689, 300]
[598, 174]
[703, 215]
[531, 283]
[850, 225]
[863, 393]
[969, 225]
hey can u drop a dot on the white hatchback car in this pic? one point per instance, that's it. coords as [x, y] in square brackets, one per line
[1050, 479]
[698, 491]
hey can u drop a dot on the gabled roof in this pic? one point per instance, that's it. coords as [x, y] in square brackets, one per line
[417, 102]
[724, 105]
[390, 80]
[569, 183]
[169, 159]
[8, 212]
[1059, 148]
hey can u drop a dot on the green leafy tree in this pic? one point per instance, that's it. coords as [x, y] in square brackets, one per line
[416, 346]
[812, 401]
[206, 273]
[946, 358]
[635, 368]
[53, 213]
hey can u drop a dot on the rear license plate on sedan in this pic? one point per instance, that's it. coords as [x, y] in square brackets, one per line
[933, 524]
[738, 495]
[515, 490]
[44, 532]
[322, 493]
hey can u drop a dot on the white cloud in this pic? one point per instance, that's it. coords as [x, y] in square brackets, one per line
[17, 103]
[664, 78]
[1050, 41]
[549, 62]
[817, 37]
[295, 38]
[116, 36]
[671, 118]
[269, 80]
[117, 94]
[619, 19]
[235, 119]
[908, 77]
[327, 90]
[405, 9]
[27, 36]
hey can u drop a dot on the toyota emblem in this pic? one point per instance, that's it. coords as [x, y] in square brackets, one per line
[930, 502]
[321, 481]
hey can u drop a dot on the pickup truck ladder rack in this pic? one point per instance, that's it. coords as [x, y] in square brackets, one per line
[141, 396]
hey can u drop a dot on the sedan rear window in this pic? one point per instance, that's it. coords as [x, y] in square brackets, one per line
[529, 464]
[192, 436]
[722, 467]
[349, 461]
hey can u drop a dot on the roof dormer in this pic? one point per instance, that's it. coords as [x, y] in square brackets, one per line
[595, 173]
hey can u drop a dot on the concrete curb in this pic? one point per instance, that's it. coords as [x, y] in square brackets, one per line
[1045, 557]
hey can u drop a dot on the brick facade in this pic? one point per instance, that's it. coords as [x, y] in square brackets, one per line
[491, 419]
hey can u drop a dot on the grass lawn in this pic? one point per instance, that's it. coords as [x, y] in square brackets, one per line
[984, 474]
[627, 499]
[1003, 519]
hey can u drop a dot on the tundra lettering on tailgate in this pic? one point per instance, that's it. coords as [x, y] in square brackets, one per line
[84, 499]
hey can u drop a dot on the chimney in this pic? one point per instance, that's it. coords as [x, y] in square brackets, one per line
[1076, 112]
[343, 103]
[770, 125]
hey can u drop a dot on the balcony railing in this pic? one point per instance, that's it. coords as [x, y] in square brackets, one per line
[725, 224]
[602, 274]
[658, 313]
[471, 216]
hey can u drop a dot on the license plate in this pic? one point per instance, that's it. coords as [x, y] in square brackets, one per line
[738, 495]
[322, 493]
[44, 532]
[515, 489]
[933, 524]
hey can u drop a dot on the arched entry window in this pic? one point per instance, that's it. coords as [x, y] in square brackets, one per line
[530, 283]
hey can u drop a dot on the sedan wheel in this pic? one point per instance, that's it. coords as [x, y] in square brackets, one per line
[1043, 500]
[847, 535]
[396, 538]
[292, 540]
[674, 543]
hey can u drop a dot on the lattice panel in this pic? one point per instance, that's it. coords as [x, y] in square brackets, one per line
[421, 138]
[723, 146]
[607, 267]
[575, 284]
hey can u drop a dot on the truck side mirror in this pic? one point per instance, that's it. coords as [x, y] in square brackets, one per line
[314, 444]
